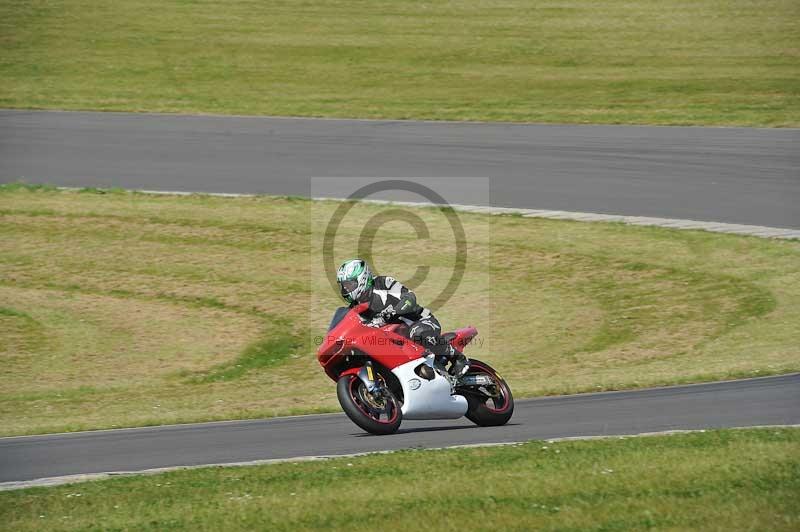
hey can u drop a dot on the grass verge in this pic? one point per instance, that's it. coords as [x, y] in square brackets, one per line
[125, 309]
[717, 480]
[616, 61]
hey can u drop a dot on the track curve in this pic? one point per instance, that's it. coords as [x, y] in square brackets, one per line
[763, 401]
[735, 175]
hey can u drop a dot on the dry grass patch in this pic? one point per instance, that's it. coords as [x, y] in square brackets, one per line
[131, 309]
[85, 339]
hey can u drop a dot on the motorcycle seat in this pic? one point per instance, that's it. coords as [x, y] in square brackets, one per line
[449, 337]
[403, 331]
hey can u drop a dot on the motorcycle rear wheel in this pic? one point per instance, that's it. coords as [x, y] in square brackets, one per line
[361, 409]
[485, 410]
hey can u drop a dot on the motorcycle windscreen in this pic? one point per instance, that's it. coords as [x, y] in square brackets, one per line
[338, 315]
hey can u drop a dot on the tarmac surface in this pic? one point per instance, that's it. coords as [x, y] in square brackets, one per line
[764, 401]
[734, 175]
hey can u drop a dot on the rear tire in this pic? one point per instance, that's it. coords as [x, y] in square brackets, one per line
[351, 393]
[487, 411]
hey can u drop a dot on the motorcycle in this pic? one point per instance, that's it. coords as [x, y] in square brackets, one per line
[382, 377]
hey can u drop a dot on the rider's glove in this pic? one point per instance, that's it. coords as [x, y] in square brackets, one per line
[377, 321]
[388, 313]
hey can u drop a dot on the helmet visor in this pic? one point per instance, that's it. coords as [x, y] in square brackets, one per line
[348, 286]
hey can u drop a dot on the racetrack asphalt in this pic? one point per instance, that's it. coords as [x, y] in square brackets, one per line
[733, 175]
[750, 402]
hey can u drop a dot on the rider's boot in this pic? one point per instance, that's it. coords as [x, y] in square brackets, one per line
[459, 363]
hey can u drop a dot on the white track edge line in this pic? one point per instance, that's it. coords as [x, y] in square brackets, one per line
[409, 121]
[760, 231]
[89, 477]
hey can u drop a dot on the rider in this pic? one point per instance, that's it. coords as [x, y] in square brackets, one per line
[391, 302]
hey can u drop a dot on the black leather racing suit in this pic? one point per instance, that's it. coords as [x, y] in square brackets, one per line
[394, 302]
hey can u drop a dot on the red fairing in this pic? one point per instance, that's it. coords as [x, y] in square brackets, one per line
[351, 371]
[383, 344]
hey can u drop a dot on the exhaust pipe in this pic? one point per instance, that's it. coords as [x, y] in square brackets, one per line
[476, 379]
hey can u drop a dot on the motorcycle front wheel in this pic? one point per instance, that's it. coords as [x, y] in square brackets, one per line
[489, 406]
[378, 415]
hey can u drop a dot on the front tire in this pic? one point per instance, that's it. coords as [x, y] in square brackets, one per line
[364, 411]
[488, 409]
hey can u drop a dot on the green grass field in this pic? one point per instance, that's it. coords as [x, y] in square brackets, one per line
[126, 309]
[706, 62]
[720, 480]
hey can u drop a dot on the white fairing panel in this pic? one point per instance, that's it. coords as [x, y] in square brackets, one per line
[426, 399]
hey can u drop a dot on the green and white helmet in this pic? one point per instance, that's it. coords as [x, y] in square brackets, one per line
[355, 279]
